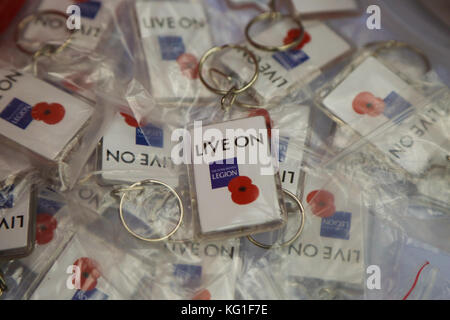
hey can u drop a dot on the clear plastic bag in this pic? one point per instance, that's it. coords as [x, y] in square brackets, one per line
[53, 229]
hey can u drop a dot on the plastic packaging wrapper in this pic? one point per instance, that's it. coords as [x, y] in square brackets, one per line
[53, 230]
[405, 120]
[181, 268]
[409, 269]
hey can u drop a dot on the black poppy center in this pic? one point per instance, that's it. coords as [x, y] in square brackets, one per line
[369, 105]
[47, 112]
[43, 227]
[322, 203]
[86, 275]
[242, 189]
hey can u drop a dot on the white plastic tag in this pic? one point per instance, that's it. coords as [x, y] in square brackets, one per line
[174, 37]
[309, 7]
[16, 220]
[37, 115]
[235, 182]
[144, 151]
[90, 270]
[94, 22]
[374, 98]
[280, 71]
[331, 244]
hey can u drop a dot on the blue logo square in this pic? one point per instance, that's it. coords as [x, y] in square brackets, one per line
[221, 172]
[150, 136]
[7, 197]
[283, 145]
[89, 9]
[396, 105]
[18, 113]
[171, 47]
[94, 294]
[336, 226]
[290, 59]
[48, 206]
[188, 275]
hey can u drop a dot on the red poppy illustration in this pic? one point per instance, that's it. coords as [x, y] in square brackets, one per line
[293, 35]
[367, 103]
[203, 295]
[90, 272]
[131, 121]
[266, 115]
[188, 65]
[242, 190]
[322, 203]
[50, 113]
[45, 227]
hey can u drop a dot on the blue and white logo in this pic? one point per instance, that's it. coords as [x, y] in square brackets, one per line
[221, 172]
[18, 113]
[290, 59]
[337, 226]
[171, 47]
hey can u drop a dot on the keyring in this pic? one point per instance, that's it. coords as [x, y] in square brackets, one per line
[296, 235]
[386, 45]
[233, 90]
[24, 23]
[274, 15]
[140, 184]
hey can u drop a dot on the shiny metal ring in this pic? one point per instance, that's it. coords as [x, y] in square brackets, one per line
[139, 185]
[220, 48]
[390, 44]
[296, 235]
[213, 71]
[274, 15]
[25, 21]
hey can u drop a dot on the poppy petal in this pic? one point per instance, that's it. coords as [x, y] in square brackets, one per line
[236, 182]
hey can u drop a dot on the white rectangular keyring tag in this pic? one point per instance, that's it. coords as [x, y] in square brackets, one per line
[235, 188]
[38, 116]
[93, 16]
[174, 36]
[284, 71]
[385, 108]
[17, 221]
[131, 153]
[325, 9]
[331, 244]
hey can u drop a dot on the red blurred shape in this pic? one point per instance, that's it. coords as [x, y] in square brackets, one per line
[8, 10]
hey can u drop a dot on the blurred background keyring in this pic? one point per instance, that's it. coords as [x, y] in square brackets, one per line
[24, 23]
[213, 50]
[146, 182]
[274, 15]
[296, 235]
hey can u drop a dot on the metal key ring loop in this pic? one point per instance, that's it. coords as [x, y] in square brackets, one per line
[296, 235]
[213, 71]
[141, 183]
[213, 50]
[24, 23]
[274, 15]
[390, 44]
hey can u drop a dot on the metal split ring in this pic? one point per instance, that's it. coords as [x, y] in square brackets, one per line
[139, 185]
[274, 15]
[296, 235]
